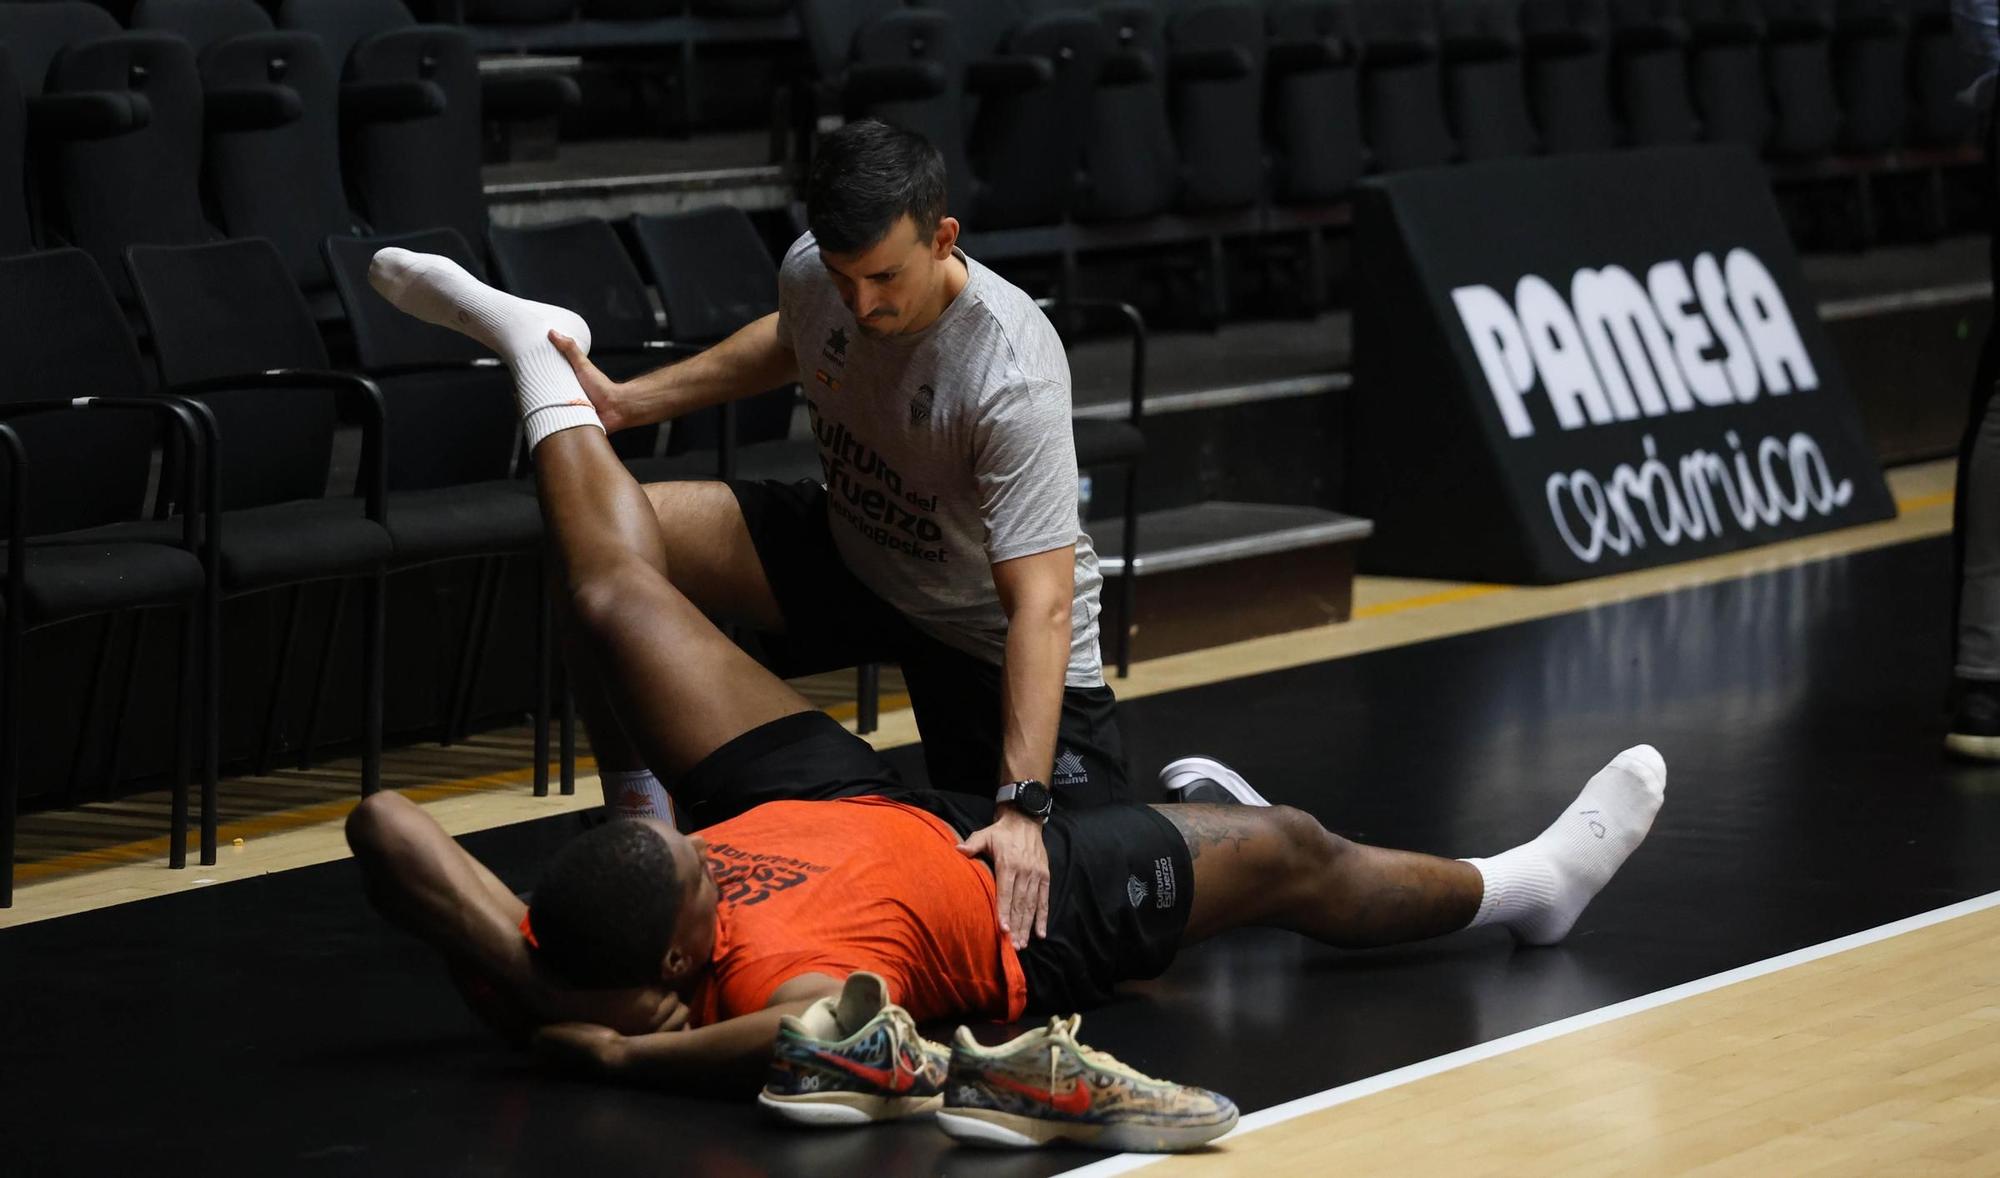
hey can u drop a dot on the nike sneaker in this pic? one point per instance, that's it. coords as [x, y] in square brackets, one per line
[1205, 779]
[1044, 1087]
[853, 1060]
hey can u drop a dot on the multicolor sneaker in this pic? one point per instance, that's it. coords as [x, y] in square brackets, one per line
[853, 1060]
[1045, 1087]
[1205, 779]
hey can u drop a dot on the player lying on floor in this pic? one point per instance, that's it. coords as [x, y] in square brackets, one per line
[672, 958]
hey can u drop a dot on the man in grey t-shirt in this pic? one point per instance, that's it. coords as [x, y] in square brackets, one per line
[945, 536]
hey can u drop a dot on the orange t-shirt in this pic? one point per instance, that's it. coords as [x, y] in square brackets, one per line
[860, 883]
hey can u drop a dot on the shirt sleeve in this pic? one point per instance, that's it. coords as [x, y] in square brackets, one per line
[788, 286]
[1024, 465]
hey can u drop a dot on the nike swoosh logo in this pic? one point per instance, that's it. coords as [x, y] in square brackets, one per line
[1074, 1103]
[893, 1079]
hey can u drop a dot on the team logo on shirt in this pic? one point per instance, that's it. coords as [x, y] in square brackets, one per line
[1135, 890]
[1069, 771]
[836, 346]
[920, 405]
[749, 877]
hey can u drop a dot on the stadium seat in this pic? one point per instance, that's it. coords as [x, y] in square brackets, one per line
[230, 330]
[1485, 93]
[127, 170]
[1798, 60]
[1568, 48]
[1215, 75]
[1649, 40]
[1870, 73]
[1937, 117]
[79, 453]
[272, 156]
[412, 101]
[1029, 78]
[715, 276]
[1315, 100]
[1726, 71]
[1132, 167]
[1402, 103]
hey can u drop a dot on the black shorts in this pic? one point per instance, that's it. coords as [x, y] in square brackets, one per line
[832, 621]
[1121, 881]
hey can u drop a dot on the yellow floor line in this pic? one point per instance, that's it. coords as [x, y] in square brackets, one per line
[1167, 674]
[264, 825]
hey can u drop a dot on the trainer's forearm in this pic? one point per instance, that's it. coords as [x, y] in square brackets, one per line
[1031, 693]
[748, 362]
[731, 1055]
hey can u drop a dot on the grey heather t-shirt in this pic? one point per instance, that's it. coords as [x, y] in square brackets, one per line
[945, 451]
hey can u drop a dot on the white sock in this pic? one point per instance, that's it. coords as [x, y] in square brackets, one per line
[438, 290]
[1538, 889]
[636, 793]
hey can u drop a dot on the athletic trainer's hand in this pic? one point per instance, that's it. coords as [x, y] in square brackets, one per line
[604, 393]
[1020, 873]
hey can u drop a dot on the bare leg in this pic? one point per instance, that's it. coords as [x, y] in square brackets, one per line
[712, 561]
[680, 687]
[1279, 867]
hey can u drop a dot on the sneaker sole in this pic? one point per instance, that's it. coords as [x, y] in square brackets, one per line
[998, 1130]
[832, 1110]
[1191, 769]
[1973, 748]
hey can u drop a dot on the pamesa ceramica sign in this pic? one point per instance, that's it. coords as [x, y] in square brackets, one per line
[1575, 366]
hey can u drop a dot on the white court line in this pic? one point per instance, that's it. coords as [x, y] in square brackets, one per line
[1280, 1113]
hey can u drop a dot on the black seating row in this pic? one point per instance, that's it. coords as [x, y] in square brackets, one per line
[206, 119]
[239, 367]
[1068, 125]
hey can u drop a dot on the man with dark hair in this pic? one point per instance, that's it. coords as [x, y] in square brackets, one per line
[816, 864]
[946, 536]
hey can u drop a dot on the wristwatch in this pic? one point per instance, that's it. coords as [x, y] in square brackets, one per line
[1030, 797]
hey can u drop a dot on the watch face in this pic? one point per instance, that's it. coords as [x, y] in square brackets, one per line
[1034, 798]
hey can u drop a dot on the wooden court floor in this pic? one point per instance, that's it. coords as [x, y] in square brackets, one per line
[1877, 1056]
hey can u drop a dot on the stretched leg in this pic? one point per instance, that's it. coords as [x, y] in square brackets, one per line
[678, 686]
[1277, 866]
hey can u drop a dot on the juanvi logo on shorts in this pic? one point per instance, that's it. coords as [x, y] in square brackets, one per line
[1601, 346]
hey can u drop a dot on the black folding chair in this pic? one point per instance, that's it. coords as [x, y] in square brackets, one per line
[451, 440]
[78, 457]
[231, 331]
[1112, 442]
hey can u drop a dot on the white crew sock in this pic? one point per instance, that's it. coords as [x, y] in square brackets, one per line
[1538, 889]
[636, 793]
[438, 290]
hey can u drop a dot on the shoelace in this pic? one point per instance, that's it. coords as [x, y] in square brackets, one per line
[1062, 1032]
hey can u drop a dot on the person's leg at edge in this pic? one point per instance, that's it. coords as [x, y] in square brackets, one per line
[1278, 867]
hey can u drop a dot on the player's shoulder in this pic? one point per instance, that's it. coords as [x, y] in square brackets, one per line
[1016, 331]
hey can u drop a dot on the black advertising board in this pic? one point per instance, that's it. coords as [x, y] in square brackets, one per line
[1582, 365]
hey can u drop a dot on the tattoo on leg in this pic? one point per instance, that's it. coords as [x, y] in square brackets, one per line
[1204, 827]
